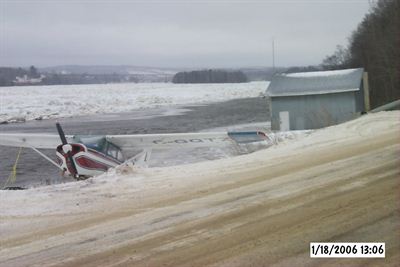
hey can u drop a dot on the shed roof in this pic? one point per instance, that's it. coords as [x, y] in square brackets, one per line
[315, 83]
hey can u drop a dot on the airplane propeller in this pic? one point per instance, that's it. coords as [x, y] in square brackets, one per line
[68, 150]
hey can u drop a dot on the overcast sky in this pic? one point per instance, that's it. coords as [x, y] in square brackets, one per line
[174, 33]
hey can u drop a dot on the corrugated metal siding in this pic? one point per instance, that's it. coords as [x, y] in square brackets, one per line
[314, 111]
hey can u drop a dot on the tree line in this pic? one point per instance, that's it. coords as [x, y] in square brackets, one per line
[210, 76]
[375, 46]
[9, 75]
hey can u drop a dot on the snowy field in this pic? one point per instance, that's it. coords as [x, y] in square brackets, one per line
[43, 102]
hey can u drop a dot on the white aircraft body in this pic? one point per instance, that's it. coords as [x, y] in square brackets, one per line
[85, 156]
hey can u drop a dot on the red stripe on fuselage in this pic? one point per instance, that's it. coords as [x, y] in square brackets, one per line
[87, 163]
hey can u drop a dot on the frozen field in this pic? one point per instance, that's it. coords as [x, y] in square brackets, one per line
[21, 103]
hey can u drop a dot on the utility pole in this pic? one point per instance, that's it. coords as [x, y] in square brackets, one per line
[273, 56]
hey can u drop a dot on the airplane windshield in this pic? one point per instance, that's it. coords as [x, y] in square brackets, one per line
[94, 142]
[99, 143]
[114, 151]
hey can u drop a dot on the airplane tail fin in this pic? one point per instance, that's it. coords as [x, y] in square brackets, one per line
[249, 137]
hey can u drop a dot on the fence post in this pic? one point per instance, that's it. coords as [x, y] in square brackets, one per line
[367, 105]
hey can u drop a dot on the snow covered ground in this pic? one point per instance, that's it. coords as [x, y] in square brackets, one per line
[339, 183]
[43, 102]
[132, 180]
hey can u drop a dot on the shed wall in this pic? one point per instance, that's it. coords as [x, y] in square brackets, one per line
[314, 111]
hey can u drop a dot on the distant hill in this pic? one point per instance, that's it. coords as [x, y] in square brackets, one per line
[23, 76]
[261, 73]
[128, 73]
[93, 74]
[152, 74]
[210, 76]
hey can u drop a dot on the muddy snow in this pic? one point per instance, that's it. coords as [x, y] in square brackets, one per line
[338, 184]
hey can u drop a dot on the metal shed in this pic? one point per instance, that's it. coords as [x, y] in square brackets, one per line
[312, 100]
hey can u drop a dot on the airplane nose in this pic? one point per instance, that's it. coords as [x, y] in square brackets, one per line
[67, 148]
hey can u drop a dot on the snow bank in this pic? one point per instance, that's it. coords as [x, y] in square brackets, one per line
[43, 102]
[139, 184]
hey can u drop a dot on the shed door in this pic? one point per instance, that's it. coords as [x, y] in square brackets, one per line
[284, 124]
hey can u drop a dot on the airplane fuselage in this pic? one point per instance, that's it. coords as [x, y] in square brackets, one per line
[88, 162]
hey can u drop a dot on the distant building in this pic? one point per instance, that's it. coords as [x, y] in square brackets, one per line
[312, 100]
[25, 80]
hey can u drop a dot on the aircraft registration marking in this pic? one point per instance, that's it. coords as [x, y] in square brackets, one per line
[194, 140]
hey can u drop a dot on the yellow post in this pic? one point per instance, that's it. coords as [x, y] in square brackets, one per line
[13, 175]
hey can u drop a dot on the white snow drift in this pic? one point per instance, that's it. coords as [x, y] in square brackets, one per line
[43, 102]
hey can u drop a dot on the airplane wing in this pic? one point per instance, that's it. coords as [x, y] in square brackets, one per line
[39, 141]
[130, 144]
[176, 140]
[139, 141]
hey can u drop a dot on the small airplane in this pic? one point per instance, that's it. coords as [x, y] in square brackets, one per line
[83, 156]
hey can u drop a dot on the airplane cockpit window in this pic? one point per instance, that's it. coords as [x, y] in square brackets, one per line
[114, 152]
[120, 157]
[94, 142]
